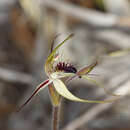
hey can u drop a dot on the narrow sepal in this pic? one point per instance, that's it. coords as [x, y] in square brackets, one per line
[99, 85]
[87, 69]
[40, 87]
[51, 57]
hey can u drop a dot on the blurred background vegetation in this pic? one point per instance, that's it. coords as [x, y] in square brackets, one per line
[26, 32]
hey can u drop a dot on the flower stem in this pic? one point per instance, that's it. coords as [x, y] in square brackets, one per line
[56, 118]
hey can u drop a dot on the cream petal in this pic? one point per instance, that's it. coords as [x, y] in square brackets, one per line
[63, 91]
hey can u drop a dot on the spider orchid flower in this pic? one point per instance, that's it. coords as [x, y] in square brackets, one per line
[59, 74]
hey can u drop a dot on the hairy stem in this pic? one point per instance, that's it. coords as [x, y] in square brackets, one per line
[56, 118]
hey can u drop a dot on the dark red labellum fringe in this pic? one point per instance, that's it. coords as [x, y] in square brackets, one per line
[66, 67]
